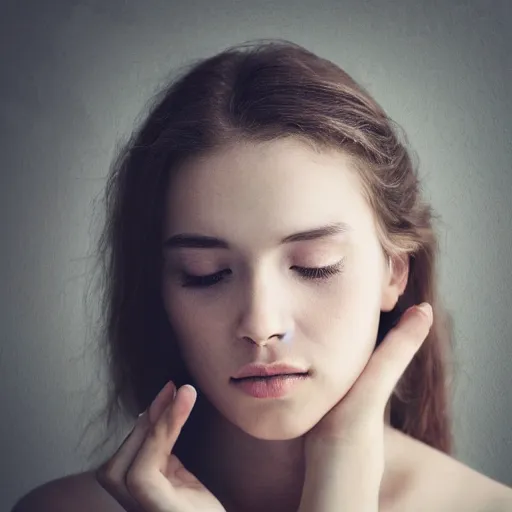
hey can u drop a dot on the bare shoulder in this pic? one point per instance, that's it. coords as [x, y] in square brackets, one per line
[79, 492]
[442, 483]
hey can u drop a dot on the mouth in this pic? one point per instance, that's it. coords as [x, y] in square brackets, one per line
[277, 386]
[258, 369]
[260, 378]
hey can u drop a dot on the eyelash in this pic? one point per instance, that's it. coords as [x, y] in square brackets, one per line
[192, 281]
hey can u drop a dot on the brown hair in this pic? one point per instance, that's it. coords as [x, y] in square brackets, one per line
[261, 91]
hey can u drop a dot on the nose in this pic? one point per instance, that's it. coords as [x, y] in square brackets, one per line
[262, 318]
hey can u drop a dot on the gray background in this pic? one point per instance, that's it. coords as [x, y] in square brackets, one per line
[75, 77]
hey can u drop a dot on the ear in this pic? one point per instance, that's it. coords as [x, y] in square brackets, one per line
[395, 280]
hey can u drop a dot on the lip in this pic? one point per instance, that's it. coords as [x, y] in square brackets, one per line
[266, 370]
[278, 386]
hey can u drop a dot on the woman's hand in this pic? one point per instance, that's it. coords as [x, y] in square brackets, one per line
[144, 475]
[345, 450]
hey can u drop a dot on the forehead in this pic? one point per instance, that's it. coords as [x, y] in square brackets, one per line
[265, 189]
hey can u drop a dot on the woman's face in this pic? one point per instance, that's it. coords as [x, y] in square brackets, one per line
[251, 197]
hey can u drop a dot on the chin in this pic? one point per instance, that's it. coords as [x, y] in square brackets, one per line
[273, 426]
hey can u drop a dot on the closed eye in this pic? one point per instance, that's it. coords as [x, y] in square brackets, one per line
[206, 281]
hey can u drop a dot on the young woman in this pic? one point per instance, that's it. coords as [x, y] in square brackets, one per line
[265, 236]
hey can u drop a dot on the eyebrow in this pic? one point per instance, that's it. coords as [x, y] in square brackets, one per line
[196, 241]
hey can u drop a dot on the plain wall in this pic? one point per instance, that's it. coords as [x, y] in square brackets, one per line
[75, 76]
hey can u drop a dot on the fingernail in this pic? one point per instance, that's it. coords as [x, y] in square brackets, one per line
[426, 308]
[162, 392]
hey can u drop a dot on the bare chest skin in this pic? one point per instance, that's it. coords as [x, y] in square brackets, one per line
[438, 482]
[427, 481]
[443, 486]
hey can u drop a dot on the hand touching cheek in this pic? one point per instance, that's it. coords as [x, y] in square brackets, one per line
[345, 450]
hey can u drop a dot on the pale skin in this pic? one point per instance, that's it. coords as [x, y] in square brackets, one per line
[344, 451]
[252, 196]
[268, 453]
[271, 454]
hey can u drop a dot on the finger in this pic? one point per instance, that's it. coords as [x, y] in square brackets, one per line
[391, 358]
[112, 474]
[177, 471]
[161, 402]
[153, 457]
[162, 436]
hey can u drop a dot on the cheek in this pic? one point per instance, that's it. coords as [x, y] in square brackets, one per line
[195, 332]
[345, 325]
[349, 303]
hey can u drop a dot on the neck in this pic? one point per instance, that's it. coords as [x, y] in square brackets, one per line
[241, 470]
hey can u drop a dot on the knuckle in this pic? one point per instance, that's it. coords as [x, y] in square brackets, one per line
[108, 473]
[131, 480]
[108, 476]
[134, 482]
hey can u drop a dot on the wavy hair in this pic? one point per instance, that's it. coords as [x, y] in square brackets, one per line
[260, 91]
